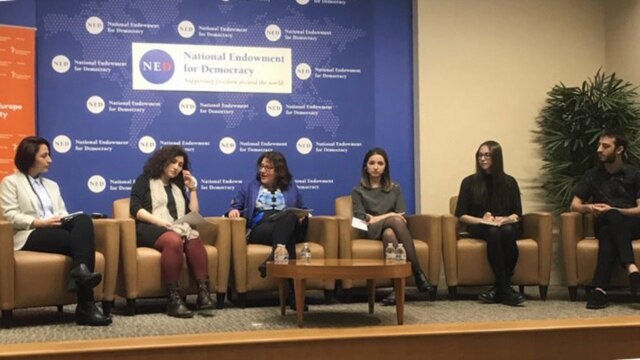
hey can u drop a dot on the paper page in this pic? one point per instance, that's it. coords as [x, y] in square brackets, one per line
[193, 218]
[359, 224]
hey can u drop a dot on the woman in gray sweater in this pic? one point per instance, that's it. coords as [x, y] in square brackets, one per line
[379, 201]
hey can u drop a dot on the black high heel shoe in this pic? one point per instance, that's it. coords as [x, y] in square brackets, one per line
[421, 282]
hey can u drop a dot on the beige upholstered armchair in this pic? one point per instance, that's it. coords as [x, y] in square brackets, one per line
[322, 236]
[465, 258]
[425, 229]
[580, 248]
[140, 275]
[32, 279]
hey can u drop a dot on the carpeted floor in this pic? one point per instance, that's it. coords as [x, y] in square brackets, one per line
[262, 313]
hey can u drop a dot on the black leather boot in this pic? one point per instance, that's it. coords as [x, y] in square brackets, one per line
[204, 300]
[81, 277]
[87, 313]
[421, 282]
[176, 306]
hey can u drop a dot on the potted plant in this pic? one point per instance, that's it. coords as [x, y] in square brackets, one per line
[569, 126]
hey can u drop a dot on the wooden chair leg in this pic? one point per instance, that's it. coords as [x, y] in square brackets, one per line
[7, 315]
[131, 307]
[433, 293]
[543, 291]
[220, 300]
[452, 293]
[521, 289]
[573, 293]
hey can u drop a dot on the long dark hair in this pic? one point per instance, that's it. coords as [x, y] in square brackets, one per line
[283, 175]
[154, 167]
[385, 180]
[26, 152]
[501, 192]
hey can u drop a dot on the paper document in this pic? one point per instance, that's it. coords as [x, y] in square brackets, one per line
[193, 218]
[359, 224]
[493, 223]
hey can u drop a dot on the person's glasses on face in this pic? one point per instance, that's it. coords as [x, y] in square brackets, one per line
[265, 167]
[484, 156]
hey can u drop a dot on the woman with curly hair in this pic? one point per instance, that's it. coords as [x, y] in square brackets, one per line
[159, 197]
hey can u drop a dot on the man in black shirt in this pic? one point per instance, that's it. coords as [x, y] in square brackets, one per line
[611, 192]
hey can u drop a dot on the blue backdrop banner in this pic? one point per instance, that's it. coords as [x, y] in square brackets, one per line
[322, 81]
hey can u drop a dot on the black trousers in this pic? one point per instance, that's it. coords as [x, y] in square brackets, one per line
[615, 232]
[75, 239]
[502, 250]
[286, 230]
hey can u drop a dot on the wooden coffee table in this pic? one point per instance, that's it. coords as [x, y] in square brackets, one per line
[325, 269]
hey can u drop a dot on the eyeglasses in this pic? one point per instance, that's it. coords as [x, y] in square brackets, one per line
[265, 167]
[484, 156]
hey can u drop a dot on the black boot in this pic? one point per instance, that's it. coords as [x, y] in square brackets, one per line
[81, 276]
[421, 282]
[291, 298]
[87, 313]
[176, 306]
[204, 300]
[262, 268]
[389, 300]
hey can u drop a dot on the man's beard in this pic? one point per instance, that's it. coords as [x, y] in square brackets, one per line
[608, 159]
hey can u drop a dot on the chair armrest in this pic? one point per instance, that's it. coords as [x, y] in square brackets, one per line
[221, 239]
[539, 227]
[107, 240]
[344, 237]
[7, 266]
[571, 230]
[324, 230]
[239, 253]
[449, 249]
[429, 228]
[127, 280]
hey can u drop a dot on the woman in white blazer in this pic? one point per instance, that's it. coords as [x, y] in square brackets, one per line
[34, 206]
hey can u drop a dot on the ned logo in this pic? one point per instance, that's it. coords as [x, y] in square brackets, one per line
[186, 29]
[96, 184]
[156, 66]
[273, 32]
[303, 71]
[94, 25]
[95, 104]
[274, 108]
[227, 145]
[147, 144]
[304, 146]
[187, 106]
[61, 144]
[60, 64]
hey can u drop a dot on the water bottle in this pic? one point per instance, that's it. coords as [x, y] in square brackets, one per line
[305, 255]
[281, 255]
[389, 254]
[401, 254]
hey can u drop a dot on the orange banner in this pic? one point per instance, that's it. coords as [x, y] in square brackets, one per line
[17, 91]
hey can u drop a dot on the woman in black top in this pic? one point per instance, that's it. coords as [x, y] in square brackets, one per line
[158, 198]
[489, 204]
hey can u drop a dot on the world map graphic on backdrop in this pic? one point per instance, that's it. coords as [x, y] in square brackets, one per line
[89, 109]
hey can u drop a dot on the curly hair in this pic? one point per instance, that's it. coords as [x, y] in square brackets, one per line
[283, 175]
[155, 165]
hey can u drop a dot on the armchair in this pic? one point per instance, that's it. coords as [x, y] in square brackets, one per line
[134, 283]
[580, 248]
[465, 258]
[32, 279]
[322, 236]
[425, 229]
